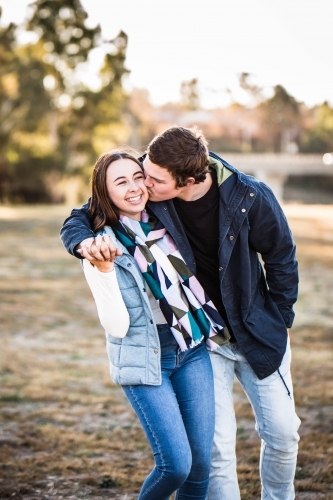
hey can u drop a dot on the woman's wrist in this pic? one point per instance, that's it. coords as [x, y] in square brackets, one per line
[104, 267]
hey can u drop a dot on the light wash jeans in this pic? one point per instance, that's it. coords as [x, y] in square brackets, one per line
[276, 424]
[178, 419]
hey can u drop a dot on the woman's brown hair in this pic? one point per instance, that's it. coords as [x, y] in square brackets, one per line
[102, 211]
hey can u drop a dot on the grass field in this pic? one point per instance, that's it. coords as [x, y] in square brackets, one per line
[66, 431]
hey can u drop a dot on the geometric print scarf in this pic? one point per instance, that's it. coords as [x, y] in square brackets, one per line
[196, 317]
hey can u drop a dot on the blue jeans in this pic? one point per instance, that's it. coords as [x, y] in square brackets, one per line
[276, 424]
[178, 419]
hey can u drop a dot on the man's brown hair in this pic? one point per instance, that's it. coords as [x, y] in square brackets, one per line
[183, 152]
[102, 210]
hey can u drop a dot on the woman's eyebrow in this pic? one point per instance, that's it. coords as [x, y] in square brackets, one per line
[124, 177]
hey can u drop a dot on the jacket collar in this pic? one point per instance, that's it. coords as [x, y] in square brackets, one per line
[222, 171]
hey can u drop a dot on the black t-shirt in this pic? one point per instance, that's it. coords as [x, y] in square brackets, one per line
[200, 219]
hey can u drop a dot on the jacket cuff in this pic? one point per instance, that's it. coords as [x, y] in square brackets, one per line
[75, 240]
[288, 316]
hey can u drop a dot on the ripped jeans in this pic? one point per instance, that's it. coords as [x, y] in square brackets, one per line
[178, 419]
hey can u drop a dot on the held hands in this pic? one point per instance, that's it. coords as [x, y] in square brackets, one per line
[100, 251]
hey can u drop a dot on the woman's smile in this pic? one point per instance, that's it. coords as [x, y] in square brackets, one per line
[134, 199]
[126, 189]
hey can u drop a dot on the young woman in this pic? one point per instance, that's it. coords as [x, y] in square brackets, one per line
[154, 313]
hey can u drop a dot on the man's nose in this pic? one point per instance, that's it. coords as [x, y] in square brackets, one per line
[148, 181]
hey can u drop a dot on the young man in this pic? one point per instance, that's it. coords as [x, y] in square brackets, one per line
[222, 221]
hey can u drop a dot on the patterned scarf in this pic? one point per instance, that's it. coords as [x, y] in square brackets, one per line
[196, 316]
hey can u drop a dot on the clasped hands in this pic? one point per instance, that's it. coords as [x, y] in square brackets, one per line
[100, 252]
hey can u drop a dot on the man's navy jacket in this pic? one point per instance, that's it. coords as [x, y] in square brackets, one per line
[259, 304]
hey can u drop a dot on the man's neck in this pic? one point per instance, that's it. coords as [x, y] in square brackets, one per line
[196, 191]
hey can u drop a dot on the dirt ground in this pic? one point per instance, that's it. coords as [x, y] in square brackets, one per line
[66, 431]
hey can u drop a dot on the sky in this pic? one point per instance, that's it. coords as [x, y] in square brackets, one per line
[286, 42]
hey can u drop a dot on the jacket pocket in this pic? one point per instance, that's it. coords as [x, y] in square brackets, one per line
[256, 308]
[265, 323]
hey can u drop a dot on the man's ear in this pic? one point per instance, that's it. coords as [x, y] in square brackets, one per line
[190, 181]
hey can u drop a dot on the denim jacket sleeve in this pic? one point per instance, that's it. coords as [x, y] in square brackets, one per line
[76, 228]
[271, 237]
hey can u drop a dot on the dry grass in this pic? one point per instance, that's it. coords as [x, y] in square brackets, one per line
[67, 432]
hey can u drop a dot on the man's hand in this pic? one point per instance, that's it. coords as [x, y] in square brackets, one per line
[101, 248]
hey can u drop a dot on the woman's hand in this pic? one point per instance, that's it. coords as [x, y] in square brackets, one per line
[103, 267]
[100, 249]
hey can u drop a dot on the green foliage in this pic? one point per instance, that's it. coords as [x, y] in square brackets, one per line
[318, 138]
[50, 121]
[60, 23]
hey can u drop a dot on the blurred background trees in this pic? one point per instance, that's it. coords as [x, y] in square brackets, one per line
[54, 121]
[52, 125]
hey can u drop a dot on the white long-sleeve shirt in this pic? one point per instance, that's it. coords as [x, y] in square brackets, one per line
[111, 308]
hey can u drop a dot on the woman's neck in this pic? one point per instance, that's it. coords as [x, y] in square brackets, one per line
[136, 216]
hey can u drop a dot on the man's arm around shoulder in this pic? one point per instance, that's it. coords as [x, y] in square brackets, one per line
[79, 239]
[75, 229]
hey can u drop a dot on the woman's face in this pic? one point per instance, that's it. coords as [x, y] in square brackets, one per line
[124, 183]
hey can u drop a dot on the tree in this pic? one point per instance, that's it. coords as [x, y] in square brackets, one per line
[281, 119]
[252, 89]
[190, 95]
[10, 111]
[51, 119]
[318, 136]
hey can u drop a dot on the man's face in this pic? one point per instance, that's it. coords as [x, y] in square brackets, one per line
[160, 183]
